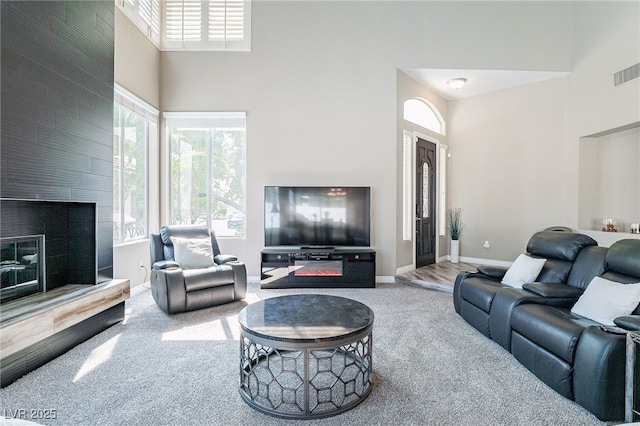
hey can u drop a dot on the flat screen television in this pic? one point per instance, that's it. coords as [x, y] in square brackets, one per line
[317, 216]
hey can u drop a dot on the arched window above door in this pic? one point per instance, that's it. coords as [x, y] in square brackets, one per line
[423, 113]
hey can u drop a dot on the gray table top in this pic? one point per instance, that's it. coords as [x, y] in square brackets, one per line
[305, 318]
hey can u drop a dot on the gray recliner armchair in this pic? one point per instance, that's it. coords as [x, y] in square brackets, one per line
[186, 275]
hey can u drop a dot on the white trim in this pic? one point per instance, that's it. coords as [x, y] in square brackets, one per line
[408, 209]
[132, 102]
[385, 279]
[490, 262]
[405, 269]
[151, 115]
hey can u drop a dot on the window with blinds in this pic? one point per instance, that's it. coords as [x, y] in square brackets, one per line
[193, 24]
[206, 25]
[145, 14]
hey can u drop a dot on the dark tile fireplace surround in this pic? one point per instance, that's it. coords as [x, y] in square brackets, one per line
[70, 259]
[57, 144]
[69, 230]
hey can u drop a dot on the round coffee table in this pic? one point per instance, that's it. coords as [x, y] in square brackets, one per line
[305, 356]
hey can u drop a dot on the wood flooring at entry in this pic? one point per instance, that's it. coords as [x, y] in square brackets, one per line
[438, 276]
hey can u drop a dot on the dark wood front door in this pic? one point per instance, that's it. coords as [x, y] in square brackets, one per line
[425, 203]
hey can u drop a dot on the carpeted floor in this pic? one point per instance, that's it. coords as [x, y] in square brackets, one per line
[430, 368]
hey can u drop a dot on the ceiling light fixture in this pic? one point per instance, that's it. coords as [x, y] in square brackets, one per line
[456, 83]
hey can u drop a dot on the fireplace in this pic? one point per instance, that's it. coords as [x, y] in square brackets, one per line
[22, 266]
[317, 268]
[69, 231]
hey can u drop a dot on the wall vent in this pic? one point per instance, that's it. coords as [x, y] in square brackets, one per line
[626, 74]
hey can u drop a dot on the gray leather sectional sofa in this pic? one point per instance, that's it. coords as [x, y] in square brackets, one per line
[574, 355]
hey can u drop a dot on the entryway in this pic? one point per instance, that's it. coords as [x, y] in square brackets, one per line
[426, 221]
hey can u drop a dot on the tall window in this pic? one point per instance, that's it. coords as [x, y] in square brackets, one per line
[208, 170]
[134, 124]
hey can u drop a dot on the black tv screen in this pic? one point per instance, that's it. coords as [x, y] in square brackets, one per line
[317, 216]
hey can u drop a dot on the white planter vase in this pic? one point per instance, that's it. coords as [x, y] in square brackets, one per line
[455, 251]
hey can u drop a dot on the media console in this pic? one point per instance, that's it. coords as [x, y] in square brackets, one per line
[318, 267]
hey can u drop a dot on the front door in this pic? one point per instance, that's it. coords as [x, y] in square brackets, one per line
[425, 203]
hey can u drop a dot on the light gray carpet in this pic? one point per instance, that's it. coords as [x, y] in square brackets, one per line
[430, 367]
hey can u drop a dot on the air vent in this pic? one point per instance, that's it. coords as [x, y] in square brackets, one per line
[626, 74]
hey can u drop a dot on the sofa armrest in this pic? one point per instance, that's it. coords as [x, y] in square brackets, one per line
[501, 308]
[493, 272]
[628, 322]
[221, 259]
[239, 280]
[554, 290]
[168, 290]
[165, 264]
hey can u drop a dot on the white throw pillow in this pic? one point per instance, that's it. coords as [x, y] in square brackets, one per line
[604, 300]
[192, 253]
[524, 270]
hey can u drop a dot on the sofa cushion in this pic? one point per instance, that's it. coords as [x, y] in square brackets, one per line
[524, 270]
[180, 231]
[479, 291]
[622, 258]
[553, 328]
[555, 271]
[192, 253]
[558, 245]
[200, 279]
[604, 300]
[589, 263]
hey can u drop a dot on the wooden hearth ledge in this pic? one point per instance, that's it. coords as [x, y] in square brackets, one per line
[31, 319]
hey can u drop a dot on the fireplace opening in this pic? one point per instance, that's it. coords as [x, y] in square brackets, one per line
[22, 267]
[318, 268]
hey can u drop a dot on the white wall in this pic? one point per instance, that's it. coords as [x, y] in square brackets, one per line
[320, 89]
[321, 93]
[515, 165]
[606, 40]
[507, 168]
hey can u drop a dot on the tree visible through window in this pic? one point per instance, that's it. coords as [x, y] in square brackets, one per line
[208, 171]
[129, 175]
[135, 128]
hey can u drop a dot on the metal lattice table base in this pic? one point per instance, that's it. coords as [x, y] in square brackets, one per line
[310, 382]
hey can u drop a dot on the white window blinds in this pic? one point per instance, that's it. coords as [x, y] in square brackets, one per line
[145, 14]
[206, 25]
[204, 120]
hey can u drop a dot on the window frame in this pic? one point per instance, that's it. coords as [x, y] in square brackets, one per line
[201, 121]
[131, 103]
[429, 113]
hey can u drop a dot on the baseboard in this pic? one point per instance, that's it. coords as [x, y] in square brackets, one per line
[490, 262]
[403, 269]
[385, 279]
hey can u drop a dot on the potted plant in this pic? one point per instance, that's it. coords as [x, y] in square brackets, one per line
[455, 229]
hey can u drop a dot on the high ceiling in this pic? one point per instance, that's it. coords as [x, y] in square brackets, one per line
[478, 81]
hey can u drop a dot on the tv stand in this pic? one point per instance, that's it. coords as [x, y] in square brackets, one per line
[327, 267]
[318, 248]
